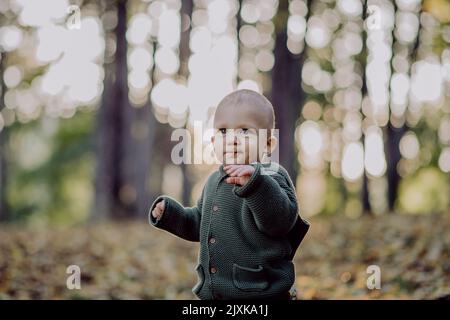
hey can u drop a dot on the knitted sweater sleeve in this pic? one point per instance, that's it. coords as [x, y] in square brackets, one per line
[183, 222]
[272, 200]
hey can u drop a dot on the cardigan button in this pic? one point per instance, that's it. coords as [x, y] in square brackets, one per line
[215, 208]
[213, 270]
[212, 240]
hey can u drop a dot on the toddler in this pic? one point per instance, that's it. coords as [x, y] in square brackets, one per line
[246, 219]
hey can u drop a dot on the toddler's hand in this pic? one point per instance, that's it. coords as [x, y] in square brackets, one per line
[158, 210]
[238, 173]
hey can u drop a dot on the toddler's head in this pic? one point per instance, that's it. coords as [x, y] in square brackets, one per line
[243, 128]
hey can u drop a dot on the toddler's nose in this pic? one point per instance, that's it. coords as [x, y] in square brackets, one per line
[231, 138]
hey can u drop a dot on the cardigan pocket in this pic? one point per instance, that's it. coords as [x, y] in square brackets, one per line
[201, 279]
[250, 279]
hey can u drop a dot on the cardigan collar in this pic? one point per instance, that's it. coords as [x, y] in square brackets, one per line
[222, 171]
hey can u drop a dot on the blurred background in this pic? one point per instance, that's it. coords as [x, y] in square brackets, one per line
[91, 92]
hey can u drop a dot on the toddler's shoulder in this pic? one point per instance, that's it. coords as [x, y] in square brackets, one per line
[274, 169]
[277, 171]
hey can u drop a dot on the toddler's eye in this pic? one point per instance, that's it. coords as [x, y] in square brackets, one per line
[243, 131]
[223, 130]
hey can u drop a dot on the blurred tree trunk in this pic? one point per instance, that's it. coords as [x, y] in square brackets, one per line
[4, 215]
[394, 134]
[124, 138]
[239, 42]
[287, 94]
[392, 141]
[137, 136]
[106, 137]
[365, 200]
[184, 53]
[393, 156]
[367, 209]
[3, 139]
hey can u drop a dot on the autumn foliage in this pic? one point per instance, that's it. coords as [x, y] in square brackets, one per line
[135, 261]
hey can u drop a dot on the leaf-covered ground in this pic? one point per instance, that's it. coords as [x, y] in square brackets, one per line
[137, 261]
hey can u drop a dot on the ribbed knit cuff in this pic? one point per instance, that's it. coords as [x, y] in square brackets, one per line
[165, 215]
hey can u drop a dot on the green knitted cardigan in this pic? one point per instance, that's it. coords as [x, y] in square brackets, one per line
[248, 234]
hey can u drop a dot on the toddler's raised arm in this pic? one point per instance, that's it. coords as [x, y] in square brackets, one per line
[272, 200]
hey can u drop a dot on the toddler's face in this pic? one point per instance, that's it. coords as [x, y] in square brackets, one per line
[237, 134]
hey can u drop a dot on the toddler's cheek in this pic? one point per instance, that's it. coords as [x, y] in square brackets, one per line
[251, 149]
[240, 159]
[219, 157]
[218, 151]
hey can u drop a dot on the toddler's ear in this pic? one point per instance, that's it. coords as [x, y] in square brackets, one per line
[212, 139]
[271, 144]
